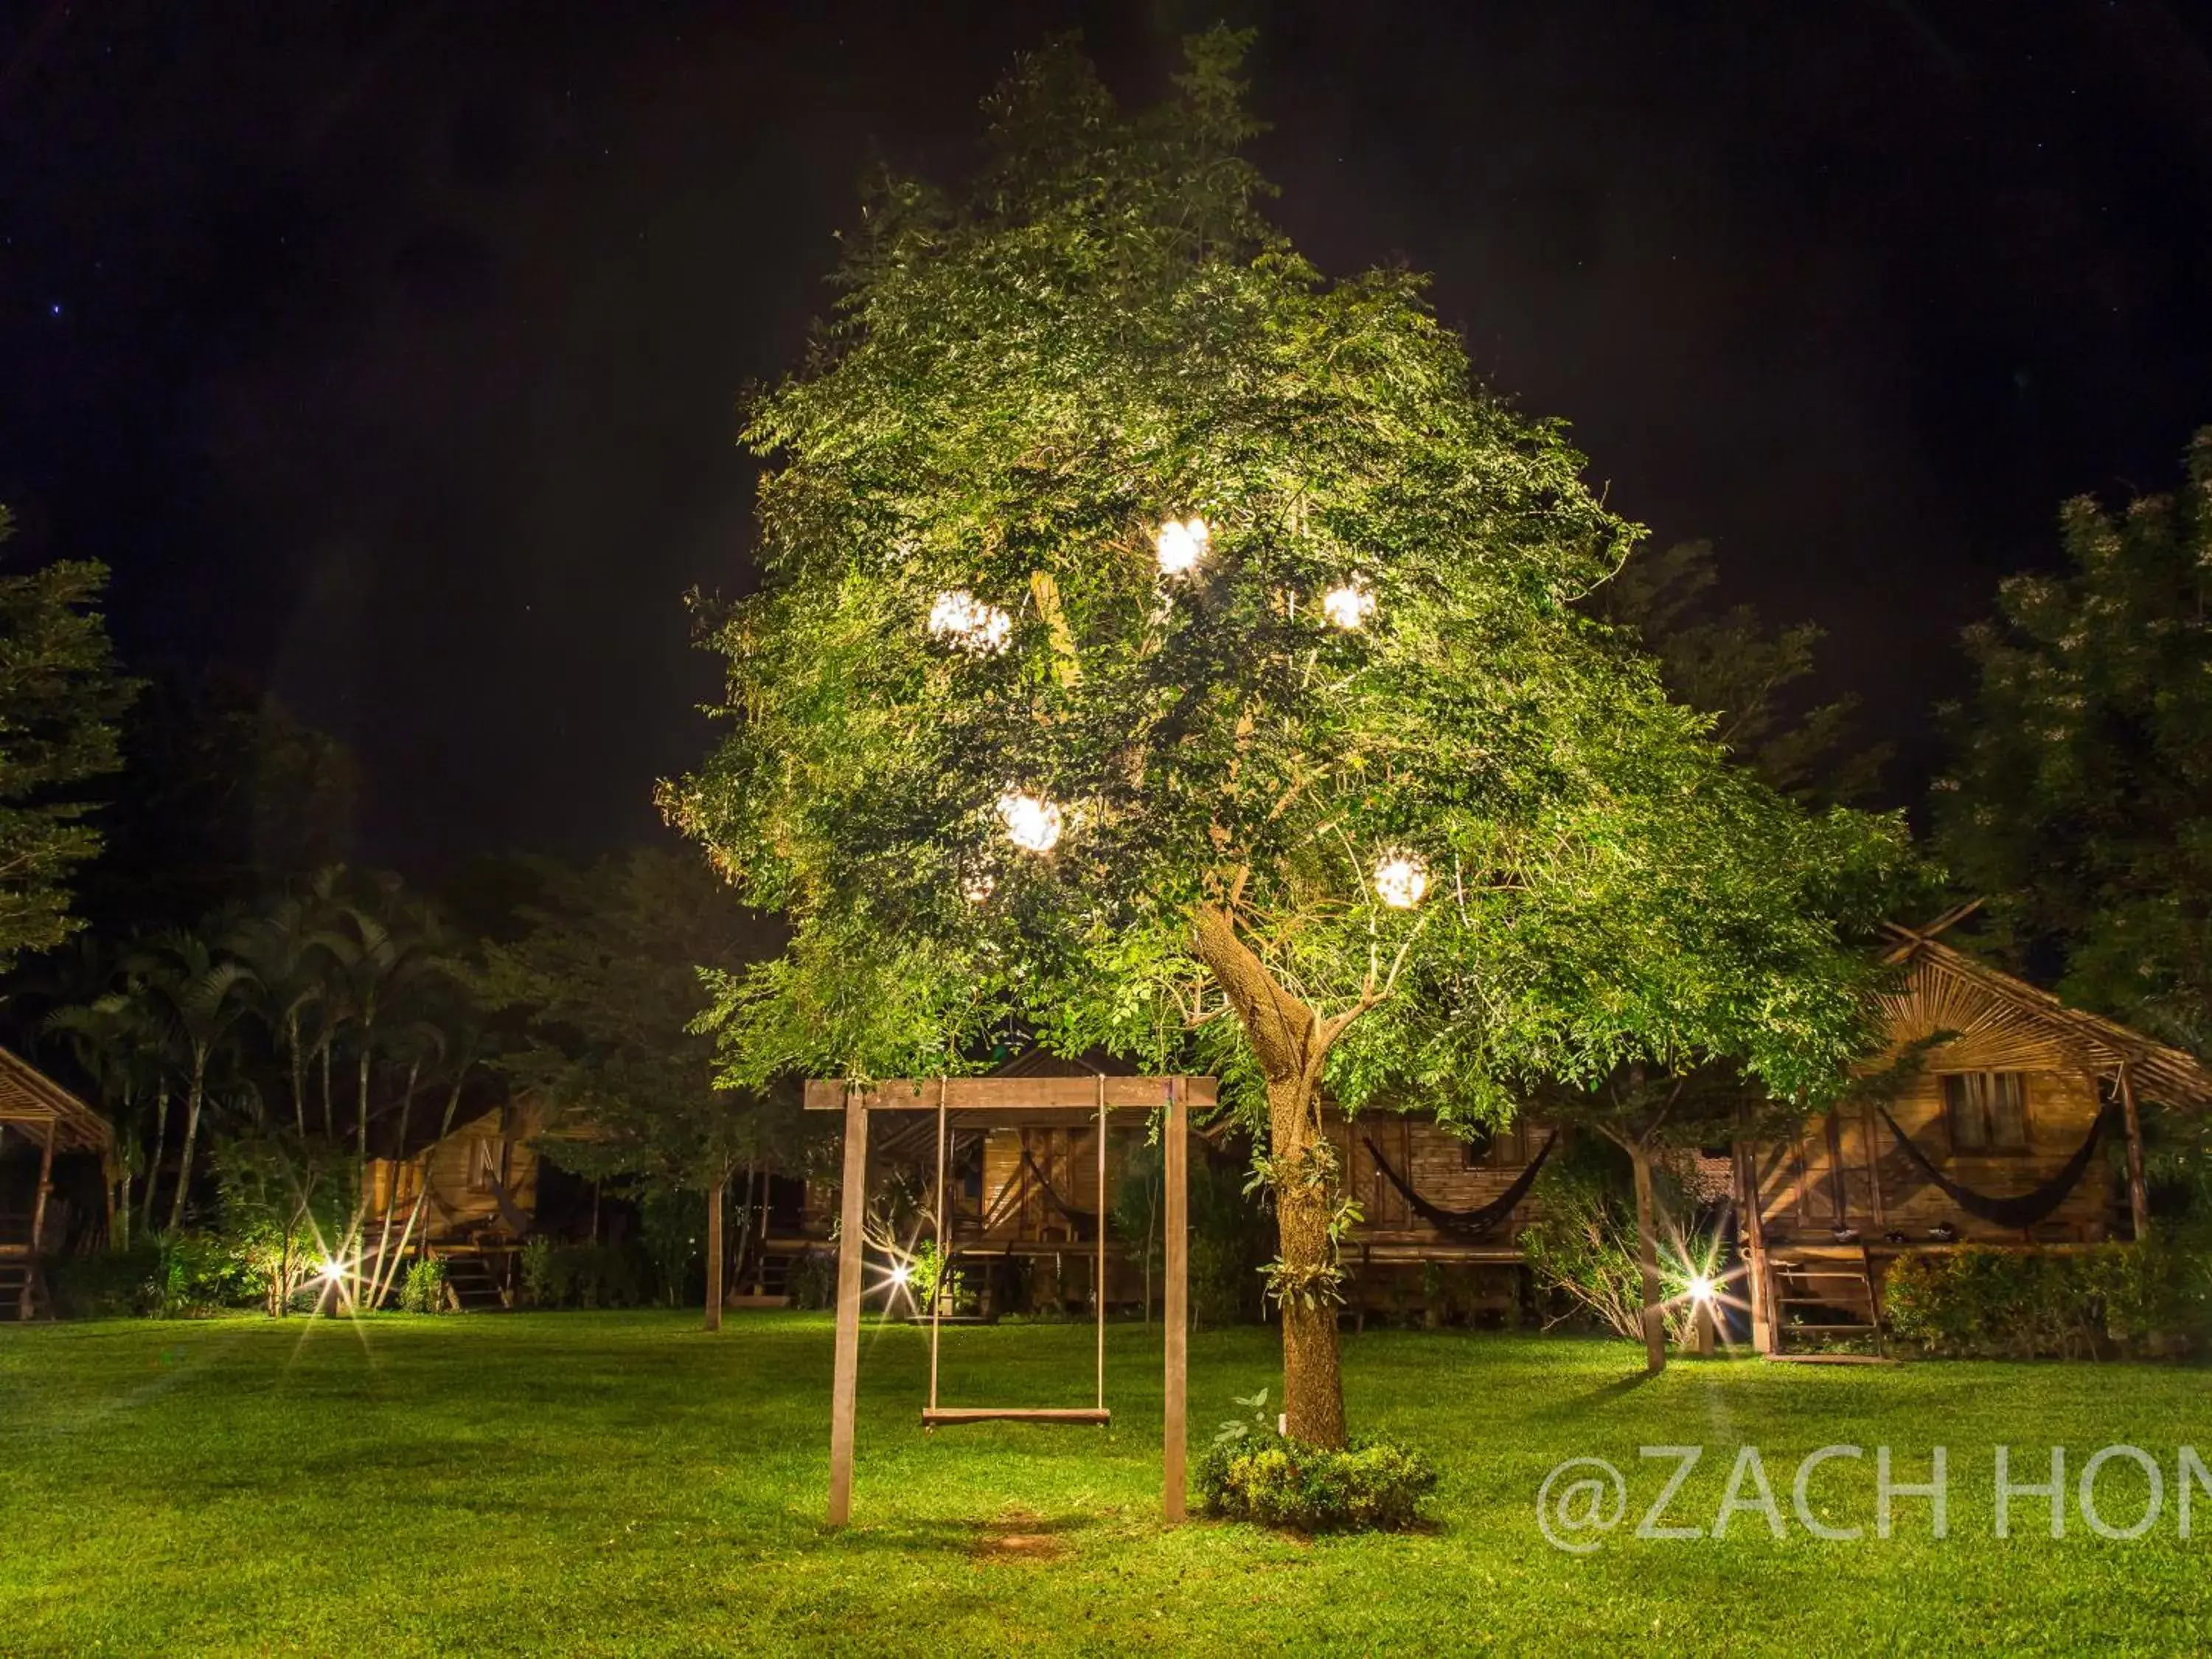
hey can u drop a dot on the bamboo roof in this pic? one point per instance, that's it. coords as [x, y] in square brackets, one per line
[2000, 1023]
[33, 1104]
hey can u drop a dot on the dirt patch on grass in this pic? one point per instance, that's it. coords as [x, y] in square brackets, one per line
[1019, 1535]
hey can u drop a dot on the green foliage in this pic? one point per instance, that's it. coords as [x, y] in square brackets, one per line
[1014, 396]
[1583, 1246]
[812, 1282]
[287, 1205]
[423, 1290]
[60, 698]
[556, 1275]
[605, 982]
[200, 1273]
[1727, 664]
[112, 1284]
[2080, 804]
[1989, 1303]
[1249, 1473]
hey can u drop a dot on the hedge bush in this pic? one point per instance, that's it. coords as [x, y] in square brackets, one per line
[2002, 1305]
[1371, 1484]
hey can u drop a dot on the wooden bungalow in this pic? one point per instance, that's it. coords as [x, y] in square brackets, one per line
[35, 1108]
[471, 1196]
[1996, 1137]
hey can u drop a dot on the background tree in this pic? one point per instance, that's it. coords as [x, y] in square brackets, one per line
[607, 983]
[2079, 807]
[60, 698]
[1177, 650]
[1751, 680]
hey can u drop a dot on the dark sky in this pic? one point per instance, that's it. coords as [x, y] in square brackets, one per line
[389, 351]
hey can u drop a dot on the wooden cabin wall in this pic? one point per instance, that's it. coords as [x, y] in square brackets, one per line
[1434, 1161]
[1882, 1190]
[459, 1206]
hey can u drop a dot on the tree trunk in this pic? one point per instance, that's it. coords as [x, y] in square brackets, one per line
[1647, 1255]
[1291, 1042]
[161, 1140]
[1313, 1388]
[330, 1117]
[298, 1073]
[192, 1134]
[715, 1264]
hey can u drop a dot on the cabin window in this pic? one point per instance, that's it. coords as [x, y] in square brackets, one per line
[1987, 1111]
[1486, 1148]
[484, 1163]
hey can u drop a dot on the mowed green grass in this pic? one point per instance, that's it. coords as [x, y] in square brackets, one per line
[622, 1484]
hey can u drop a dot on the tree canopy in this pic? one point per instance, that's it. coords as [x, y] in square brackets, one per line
[60, 697]
[1179, 650]
[2079, 807]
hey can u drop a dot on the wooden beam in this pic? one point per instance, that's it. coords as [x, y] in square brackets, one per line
[2138, 1187]
[1177, 1316]
[38, 1214]
[949, 1417]
[845, 1376]
[1008, 1098]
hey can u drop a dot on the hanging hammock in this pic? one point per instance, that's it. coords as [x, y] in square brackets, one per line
[2027, 1208]
[1465, 1224]
[1079, 1219]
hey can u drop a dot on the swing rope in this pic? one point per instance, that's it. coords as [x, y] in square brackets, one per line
[935, 1415]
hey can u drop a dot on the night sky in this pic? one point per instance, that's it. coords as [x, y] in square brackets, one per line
[389, 352]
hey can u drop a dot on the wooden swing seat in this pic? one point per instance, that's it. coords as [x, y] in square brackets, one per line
[948, 1417]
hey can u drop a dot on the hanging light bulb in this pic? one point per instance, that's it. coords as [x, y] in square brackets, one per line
[1348, 606]
[961, 619]
[1400, 879]
[1033, 823]
[1180, 546]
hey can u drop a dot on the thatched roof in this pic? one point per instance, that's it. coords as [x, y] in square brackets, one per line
[35, 1105]
[2003, 1024]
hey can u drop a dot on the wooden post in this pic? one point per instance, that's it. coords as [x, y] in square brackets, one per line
[2138, 1188]
[715, 1264]
[1647, 1254]
[852, 1210]
[1176, 1318]
[32, 1275]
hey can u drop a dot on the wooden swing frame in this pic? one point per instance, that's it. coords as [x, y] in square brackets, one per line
[1012, 1103]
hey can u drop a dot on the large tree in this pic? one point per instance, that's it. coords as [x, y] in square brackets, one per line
[1179, 650]
[60, 697]
[2080, 806]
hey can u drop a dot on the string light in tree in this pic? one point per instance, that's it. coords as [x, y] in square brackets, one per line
[1400, 879]
[1033, 823]
[960, 618]
[1179, 545]
[1348, 606]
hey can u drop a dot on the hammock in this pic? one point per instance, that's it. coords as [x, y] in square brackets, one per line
[2027, 1208]
[1079, 1219]
[1465, 1224]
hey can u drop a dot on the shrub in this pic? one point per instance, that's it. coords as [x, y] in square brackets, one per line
[811, 1281]
[1371, 1485]
[541, 1287]
[1990, 1303]
[114, 1284]
[556, 1275]
[200, 1274]
[423, 1290]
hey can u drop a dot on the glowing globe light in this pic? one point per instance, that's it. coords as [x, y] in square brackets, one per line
[1033, 823]
[1701, 1288]
[1400, 879]
[900, 1273]
[1348, 606]
[961, 619]
[1181, 545]
[334, 1271]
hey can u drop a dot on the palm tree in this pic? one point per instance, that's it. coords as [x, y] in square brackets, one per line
[202, 994]
[108, 1036]
[284, 950]
[377, 960]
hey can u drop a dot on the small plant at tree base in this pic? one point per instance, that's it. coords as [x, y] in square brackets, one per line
[1250, 1473]
[423, 1291]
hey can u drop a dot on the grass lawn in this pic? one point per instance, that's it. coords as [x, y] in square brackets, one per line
[624, 1484]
